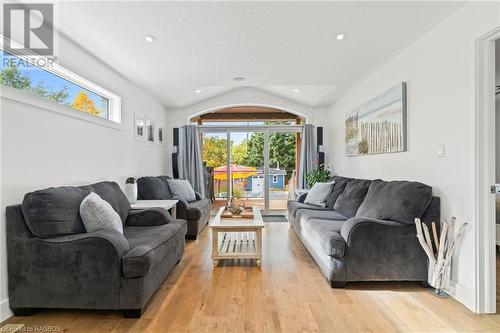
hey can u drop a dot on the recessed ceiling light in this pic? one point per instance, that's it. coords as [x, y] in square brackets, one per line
[197, 91]
[341, 37]
[296, 90]
[238, 78]
[149, 38]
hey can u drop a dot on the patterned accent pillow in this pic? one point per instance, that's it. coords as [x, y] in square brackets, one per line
[97, 214]
[182, 188]
[319, 193]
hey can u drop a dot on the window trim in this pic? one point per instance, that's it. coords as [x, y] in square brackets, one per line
[24, 97]
[275, 179]
[114, 101]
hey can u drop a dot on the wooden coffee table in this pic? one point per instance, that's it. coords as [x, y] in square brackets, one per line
[237, 238]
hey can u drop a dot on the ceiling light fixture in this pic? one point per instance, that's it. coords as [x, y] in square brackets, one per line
[238, 78]
[296, 90]
[149, 38]
[197, 91]
[341, 37]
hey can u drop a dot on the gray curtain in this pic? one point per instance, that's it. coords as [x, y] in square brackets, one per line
[190, 163]
[308, 155]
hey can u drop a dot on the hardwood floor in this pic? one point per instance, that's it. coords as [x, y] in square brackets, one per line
[288, 294]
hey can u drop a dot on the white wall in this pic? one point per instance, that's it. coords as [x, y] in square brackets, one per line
[497, 132]
[497, 109]
[439, 70]
[41, 148]
[239, 97]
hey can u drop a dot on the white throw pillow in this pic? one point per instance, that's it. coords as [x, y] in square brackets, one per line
[318, 194]
[97, 214]
[182, 188]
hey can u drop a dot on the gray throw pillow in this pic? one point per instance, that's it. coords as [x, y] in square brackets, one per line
[182, 188]
[400, 201]
[97, 214]
[338, 188]
[351, 198]
[318, 194]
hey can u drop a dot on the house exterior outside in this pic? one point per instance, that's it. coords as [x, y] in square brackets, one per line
[255, 184]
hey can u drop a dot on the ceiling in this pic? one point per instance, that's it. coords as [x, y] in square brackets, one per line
[288, 49]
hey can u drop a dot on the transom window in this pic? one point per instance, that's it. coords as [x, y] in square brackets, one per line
[55, 83]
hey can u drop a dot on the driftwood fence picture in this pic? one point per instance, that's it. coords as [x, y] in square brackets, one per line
[378, 126]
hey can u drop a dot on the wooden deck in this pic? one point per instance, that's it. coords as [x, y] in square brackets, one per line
[288, 294]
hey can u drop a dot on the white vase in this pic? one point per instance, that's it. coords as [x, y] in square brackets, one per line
[131, 192]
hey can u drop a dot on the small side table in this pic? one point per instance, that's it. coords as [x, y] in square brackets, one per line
[165, 204]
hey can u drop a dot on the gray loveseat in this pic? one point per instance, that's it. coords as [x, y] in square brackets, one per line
[366, 232]
[54, 263]
[196, 213]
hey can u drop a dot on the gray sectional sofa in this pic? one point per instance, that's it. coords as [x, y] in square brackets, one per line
[196, 213]
[366, 232]
[54, 263]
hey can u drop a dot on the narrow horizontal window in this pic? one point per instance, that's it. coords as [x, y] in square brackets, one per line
[54, 83]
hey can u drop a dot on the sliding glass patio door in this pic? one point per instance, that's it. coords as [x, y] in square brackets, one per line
[214, 154]
[247, 172]
[283, 160]
[256, 165]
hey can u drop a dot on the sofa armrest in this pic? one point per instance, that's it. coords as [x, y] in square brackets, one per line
[182, 207]
[78, 271]
[148, 217]
[185, 212]
[111, 239]
[302, 197]
[198, 195]
[361, 228]
[383, 250]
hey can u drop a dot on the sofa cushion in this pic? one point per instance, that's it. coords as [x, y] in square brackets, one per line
[332, 215]
[148, 246]
[153, 188]
[97, 214]
[400, 201]
[338, 188]
[325, 236]
[182, 188]
[351, 198]
[55, 211]
[294, 206]
[318, 194]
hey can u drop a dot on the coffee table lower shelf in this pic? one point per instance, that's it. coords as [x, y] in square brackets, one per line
[241, 244]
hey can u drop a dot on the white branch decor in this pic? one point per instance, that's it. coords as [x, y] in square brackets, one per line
[440, 259]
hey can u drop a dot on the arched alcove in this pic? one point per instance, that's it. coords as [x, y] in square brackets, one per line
[247, 113]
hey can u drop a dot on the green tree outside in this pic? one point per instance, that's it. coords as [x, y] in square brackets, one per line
[12, 77]
[250, 152]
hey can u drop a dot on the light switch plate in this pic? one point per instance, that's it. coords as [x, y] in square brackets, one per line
[440, 150]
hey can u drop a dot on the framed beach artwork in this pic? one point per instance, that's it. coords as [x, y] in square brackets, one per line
[150, 130]
[378, 126]
[140, 127]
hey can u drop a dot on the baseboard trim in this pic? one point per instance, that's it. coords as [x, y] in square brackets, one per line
[5, 312]
[461, 294]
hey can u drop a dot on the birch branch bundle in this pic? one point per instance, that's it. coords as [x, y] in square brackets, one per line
[440, 260]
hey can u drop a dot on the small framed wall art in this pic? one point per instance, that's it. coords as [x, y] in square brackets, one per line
[150, 130]
[140, 127]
